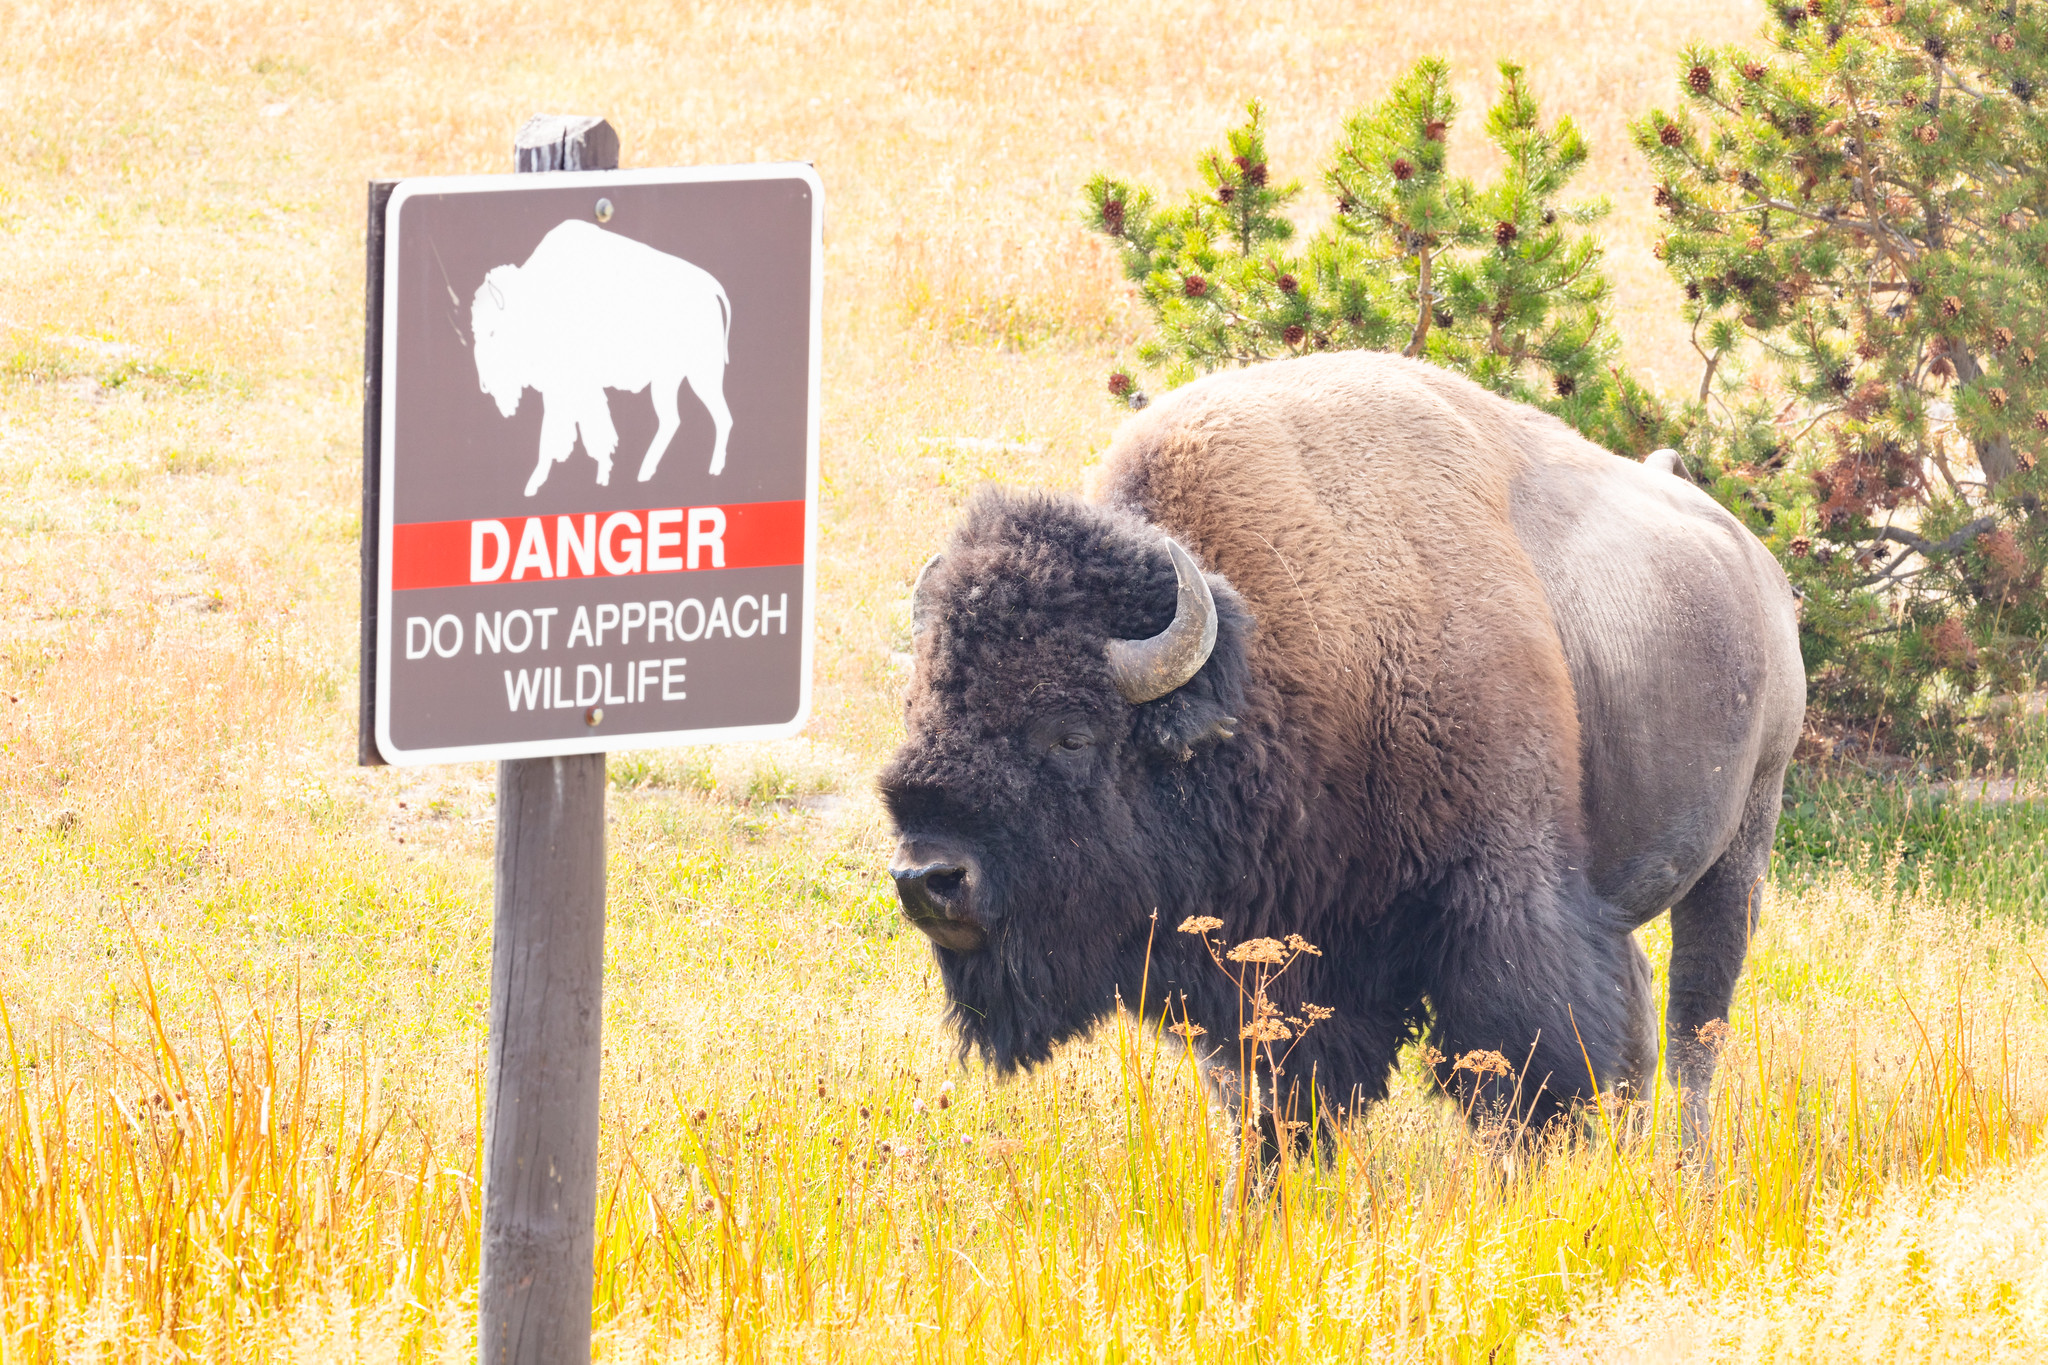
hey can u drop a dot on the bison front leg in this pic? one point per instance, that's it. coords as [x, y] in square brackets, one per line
[1542, 1006]
[557, 439]
[600, 437]
[667, 419]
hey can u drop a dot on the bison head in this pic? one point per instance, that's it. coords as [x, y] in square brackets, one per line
[493, 329]
[1076, 677]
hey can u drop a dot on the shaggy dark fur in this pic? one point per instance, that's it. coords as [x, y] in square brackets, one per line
[1483, 928]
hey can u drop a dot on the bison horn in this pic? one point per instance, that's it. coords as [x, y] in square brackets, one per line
[1145, 670]
[922, 607]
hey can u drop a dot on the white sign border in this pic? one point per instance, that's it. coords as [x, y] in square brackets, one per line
[387, 420]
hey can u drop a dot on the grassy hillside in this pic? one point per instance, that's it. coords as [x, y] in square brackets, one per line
[244, 980]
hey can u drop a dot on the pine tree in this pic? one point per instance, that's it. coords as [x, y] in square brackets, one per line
[1856, 220]
[1501, 281]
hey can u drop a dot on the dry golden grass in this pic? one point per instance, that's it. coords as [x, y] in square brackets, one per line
[244, 979]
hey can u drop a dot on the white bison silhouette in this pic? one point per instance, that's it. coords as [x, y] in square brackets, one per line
[589, 311]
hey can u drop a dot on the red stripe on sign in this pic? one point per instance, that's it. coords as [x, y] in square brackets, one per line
[454, 554]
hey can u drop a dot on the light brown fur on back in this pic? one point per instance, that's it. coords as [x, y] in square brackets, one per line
[1360, 503]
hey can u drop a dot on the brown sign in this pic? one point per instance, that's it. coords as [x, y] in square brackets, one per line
[597, 465]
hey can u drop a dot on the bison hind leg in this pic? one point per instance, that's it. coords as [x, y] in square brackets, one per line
[708, 383]
[1710, 932]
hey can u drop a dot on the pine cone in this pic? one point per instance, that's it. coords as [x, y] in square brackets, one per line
[2001, 337]
[1692, 291]
[2027, 356]
[1700, 80]
[1929, 133]
[1194, 286]
[1402, 170]
[2004, 42]
[1293, 334]
[1998, 397]
[1951, 306]
[1120, 384]
[1935, 46]
[2022, 89]
[1942, 369]
[1504, 234]
[1225, 193]
[1287, 284]
[1669, 135]
[1803, 124]
[1801, 546]
[2041, 420]
[1435, 129]
[1816, 9]
[1565, 385]
[1951, 645]
[1754, 71]
[1113, 215]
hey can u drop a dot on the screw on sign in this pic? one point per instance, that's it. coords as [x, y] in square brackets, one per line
[522, 604]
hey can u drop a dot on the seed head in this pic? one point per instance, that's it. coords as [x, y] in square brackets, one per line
[1714, 1034]
[1265, 950]
[1297, 944]
[1187, 1030]
[1485, 1062]
[1200, 924]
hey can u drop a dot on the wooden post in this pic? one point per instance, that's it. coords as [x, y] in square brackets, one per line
[547, 997]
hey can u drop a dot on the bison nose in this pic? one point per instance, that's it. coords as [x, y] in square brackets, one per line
[937, 896]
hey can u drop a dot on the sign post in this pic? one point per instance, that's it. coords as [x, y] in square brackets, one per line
[590, 441]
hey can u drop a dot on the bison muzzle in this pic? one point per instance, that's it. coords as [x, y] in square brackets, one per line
[1460, 698]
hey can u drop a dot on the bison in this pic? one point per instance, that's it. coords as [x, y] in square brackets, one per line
[592, 310]
[1453, 694]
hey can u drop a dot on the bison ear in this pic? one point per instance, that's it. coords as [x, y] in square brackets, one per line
[1205, 709]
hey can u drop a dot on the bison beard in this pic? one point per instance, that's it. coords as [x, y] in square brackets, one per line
[1481, 700]
[1072, 857]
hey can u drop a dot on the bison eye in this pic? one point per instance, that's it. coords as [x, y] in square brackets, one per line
[1075, 742]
